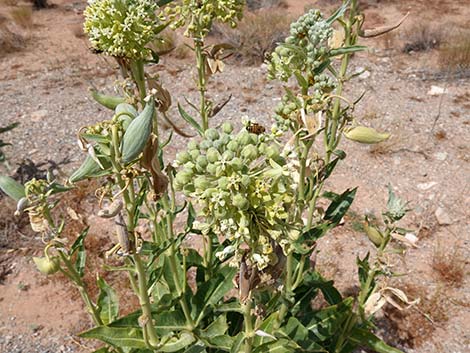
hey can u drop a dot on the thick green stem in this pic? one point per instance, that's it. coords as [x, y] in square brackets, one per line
[287, 288]
[75, 277]
[144, 299]
[248, 324]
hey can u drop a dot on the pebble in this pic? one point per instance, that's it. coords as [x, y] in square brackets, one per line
[441, 156]
[442, 217]
[426, 186]
[436, 91]
[38, 115]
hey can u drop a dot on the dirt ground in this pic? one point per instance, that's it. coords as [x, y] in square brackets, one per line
[44, 87]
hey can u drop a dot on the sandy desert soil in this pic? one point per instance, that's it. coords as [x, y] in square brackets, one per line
[44, 87]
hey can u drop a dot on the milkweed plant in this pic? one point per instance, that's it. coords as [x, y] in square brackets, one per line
[255, 197]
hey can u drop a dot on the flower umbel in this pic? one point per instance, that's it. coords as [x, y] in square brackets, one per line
[244, 186]
[121, 28]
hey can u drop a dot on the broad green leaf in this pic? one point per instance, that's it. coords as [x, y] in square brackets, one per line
[12, 188]
[237, 343]
[117, 336]
[211, 292]
[223, 342]
[108, 302]
[217, 328]
[326, 322]
[300, 335]
[340, 206]
[338, 13]
[267, 326]
[78, 247]
[177, 343]
[347, 50]
[228, 307]
[367, 339]
[280, 346]
[189, 119]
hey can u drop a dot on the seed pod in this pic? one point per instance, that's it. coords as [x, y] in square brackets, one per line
[90, 169]
[122, 234]
[12, 188]
[112, 210]
[137, 134]
[47, 266]
[126, 108]
[366, 135]
[373, 234]
[110, 102]
[21, 205]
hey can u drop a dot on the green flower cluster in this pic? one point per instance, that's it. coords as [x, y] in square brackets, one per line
[245, 189]
[121, 28]
[304, 49]
[199, 15]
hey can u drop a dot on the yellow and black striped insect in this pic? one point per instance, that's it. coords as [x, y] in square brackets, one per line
[255, 128]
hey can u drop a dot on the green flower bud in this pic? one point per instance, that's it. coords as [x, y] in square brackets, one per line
[194, 154]
[223, 182]
[237, 164]
[211, 169]
[189, 166]
[250, 152]
[227, 127]
[219, 171]
[272, 152]
[188, 189]
[246, 180]
[184, 177]
[232, 146]
[201, 161]
[224, 139]
[262, 148]
[244, 138]
[47, 266]
[209, 192]
[206, 144]
[192, 145]
[201, 183]
[183, 157]
[213, 155]
[218, 145]
[240, 202]
[228, 155]
[211, 134]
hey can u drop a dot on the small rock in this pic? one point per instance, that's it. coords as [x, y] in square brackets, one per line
[38, 115]
[436, 91]
[426, 186]
[442, 217]
[441, 156]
